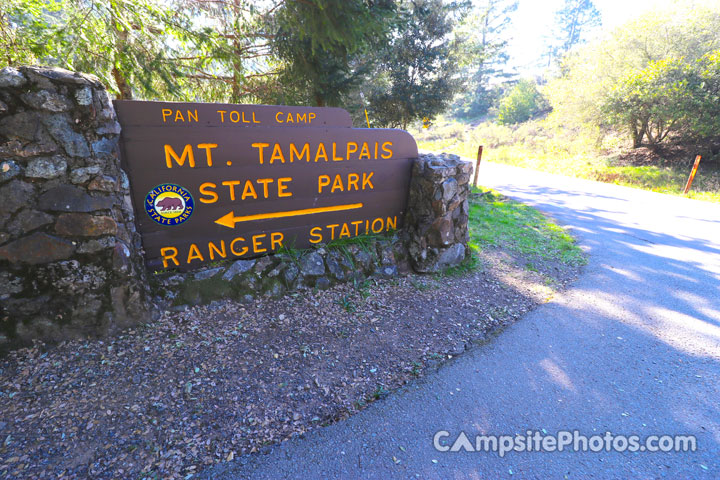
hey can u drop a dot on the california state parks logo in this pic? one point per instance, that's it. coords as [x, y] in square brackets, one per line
[169, 204]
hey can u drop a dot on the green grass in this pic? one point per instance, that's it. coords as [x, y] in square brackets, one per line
[541, 145]
[496, 221]
[347, 303]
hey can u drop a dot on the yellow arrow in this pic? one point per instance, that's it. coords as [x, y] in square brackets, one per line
[230, 219]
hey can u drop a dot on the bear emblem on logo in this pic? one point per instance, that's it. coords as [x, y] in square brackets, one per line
[169, 204]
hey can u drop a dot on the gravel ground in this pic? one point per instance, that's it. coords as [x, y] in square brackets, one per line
[200, 386]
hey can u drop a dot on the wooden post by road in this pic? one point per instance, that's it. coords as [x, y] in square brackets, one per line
[692, 175]
[477, 165]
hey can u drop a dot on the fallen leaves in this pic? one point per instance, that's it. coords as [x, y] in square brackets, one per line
[210, 383]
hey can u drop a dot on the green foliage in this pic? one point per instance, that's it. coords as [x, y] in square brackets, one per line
[347, 303]
[290, 52]
[704, 120]
[402, 54]
[523, 102]
[652, 102]
[483, 100]
[324, 44]
[417, 70]
[236, 64]
[130, 45]
[482, 56]
[667, 97]
[496, 220]
[567, 149]
[25, 35]
[363, 287]
[380, 392]
[654, 78]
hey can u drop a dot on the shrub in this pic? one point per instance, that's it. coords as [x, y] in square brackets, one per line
[521, 103]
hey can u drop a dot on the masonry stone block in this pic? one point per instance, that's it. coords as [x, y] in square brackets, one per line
[70, 263]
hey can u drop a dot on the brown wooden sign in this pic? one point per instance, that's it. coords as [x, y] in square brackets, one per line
[206, 192]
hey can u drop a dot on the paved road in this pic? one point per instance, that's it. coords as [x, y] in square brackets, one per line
[632, 348]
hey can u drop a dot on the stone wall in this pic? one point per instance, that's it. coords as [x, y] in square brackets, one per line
[318, 268]
[437, 220]
[69, 252]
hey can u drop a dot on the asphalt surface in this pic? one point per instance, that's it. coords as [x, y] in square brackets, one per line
[632, 348]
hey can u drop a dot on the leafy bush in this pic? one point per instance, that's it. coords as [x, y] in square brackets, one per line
[655, 78]
[521, 103]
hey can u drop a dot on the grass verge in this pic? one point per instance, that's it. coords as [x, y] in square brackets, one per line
[500, 223]
[497, 221]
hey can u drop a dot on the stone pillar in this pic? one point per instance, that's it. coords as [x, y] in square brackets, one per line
[70, 258]
[437, 217]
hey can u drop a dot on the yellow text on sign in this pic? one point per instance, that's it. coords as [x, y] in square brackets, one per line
[238, 247]
[176, 116]
[345, 183]
[253, 189]
[188, 155]
[332, 151]
[237, 117]
[325, 233]
[281, 117]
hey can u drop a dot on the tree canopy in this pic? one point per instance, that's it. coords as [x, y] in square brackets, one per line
[324, 45]
[522, 102]
[130, 45]
[416, 73]
[192, 49]
[483, 55]
[572, 23]
[654, 78]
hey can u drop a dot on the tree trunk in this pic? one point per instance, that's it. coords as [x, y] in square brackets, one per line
[121, 37]
[652, 138]
[237, 59]
[638, 132]
[122, 84]
[237, 78]
[637, 141]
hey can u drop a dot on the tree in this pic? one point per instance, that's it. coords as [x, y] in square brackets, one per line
[237, 65]
[483, 54]
[130, 45]
[322, 44]
[416, 73]
[523, 102]
[572, 21]
[654, 78]
[704, 118]
[653, 102]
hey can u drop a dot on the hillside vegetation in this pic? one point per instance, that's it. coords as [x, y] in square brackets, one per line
[635, 106]
[542, 145]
